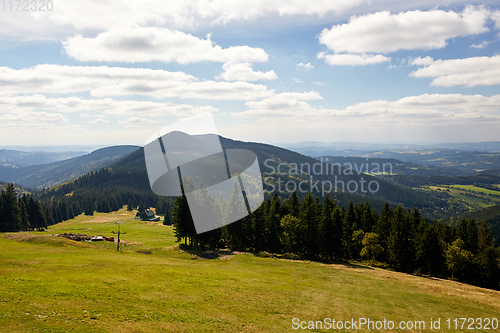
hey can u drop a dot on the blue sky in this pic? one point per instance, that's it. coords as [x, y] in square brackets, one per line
[270, 71]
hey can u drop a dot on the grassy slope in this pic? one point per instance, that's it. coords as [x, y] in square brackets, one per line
[53, 285]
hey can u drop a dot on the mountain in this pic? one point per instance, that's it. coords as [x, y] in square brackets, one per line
[283, 170]
[391, 166]
[50, 174]
[312, 148]
[11, 160]
[490, 215]
[17, 158]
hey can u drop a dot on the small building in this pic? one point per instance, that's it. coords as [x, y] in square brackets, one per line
[149, 215]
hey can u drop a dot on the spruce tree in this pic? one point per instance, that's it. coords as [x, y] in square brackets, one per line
[11, 210]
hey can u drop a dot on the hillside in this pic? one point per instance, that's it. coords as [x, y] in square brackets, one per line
[18, 158]
[490, 215]
[56, 285]
[392, 166]
[48, 175]
[130, 172]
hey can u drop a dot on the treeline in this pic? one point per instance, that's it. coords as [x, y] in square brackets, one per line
[394, 237]
[102, 191]
[20, 213]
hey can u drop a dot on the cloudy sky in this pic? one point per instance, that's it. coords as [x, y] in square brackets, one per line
[275, 71]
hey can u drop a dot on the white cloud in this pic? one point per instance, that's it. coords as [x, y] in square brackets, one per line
[382, 32]
[137, 120]
[223, 11]
[469, 72]
[103, 81]
[307, 66]
[71, 17]
[107, 106]
[483, 44]
[496, 17]
[421, 61]
[244, 72]
[99, 120]
[25, 118]
[146, 44]
[413, 109]
[353, 59]
[298, 80]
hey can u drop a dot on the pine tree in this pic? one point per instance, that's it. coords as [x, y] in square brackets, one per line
[183, 222]
[309, 216]
[327, 229]
[129, 205]
[291, 205]
[400, 246]
[349, 227]
[25, 222]
[272, 226]
[10, 210]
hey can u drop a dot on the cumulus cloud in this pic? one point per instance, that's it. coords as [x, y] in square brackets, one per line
[496, 17]
[146, 44]
[469, 72]
[244, 72]
[103, 81]
[427, 108]
[384, 32]
[421, 61]
[307, 66]
[23, 118]
[353, 59]
[71, 17]
[482, 45]
[99, 120]
[106, 106]
[223, 11]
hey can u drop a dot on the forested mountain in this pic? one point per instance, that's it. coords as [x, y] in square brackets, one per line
[18, 158]
[47, 175]
[277, 166]
[283, 170]
[459, 161]
[490, 215]
[392, 166]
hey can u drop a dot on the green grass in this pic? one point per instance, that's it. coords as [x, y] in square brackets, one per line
[48, 284]
[459, 191]
[475, 189]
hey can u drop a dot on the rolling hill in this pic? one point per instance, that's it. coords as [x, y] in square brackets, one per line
[490, 215]
[393, 166]
[48, 175]
[277, 165]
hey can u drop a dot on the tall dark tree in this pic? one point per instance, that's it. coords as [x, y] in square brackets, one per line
[272, 225]
[349, 227]
[11, 212]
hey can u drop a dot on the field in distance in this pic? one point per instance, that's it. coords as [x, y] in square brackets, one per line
[52, 284]
[472, 196]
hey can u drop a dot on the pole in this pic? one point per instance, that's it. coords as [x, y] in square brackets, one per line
[118, 242]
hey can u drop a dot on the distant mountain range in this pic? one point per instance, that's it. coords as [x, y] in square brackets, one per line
[277, 165]
[314, 148]
[45, 175]
[127, 173]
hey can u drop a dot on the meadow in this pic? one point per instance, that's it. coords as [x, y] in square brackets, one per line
[472, 196]
[52, 284]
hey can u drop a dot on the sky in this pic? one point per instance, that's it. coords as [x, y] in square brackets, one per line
[277, 71]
